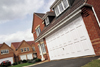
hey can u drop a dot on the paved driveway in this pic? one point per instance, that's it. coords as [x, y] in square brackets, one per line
[67, 63]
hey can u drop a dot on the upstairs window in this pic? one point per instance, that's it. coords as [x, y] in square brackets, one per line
[57, 11]
[4, 51]
[47, 21]
[38, 31]
[27, 49]
[33, 48]
[63, 5]
[21, 50]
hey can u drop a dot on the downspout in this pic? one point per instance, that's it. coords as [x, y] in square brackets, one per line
[96, 16]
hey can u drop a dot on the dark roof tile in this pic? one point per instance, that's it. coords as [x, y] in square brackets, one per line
[40, 14]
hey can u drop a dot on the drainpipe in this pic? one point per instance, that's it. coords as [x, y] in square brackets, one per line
[96, 16]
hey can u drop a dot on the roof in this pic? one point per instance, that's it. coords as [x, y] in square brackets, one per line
[5, 44]
[17, 44]
[1, 45]
[75, 5]
[40, 14]
[30, 42]
[50, 13]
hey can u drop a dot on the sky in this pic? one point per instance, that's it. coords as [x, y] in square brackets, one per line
[16, 18]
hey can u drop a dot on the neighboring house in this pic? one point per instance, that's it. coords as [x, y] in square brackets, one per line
[73, 31]
[6, 53]
[24, 50]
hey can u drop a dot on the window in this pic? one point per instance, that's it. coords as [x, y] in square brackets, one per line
[24, 49]
[47, 21]
[43, 48]
[4, 51]
[21, 50]
[65, 3]
[57, 11]
[61, 7]
[38, 31]
[33, 48]
[27, 49]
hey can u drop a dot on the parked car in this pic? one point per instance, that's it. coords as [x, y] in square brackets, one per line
[6, 63]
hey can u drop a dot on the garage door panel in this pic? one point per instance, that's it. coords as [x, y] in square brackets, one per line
[29, 56]
[70, 41]
[23, 57]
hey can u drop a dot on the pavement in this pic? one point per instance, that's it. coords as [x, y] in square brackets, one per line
[78, 62]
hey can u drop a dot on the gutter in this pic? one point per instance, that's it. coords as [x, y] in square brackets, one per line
[71, 15]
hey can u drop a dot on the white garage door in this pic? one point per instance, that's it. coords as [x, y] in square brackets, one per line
[70, 41]
[29, 56]
[10, 59]
[23, 57]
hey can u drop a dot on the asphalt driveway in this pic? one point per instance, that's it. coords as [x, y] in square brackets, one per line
[67, 63]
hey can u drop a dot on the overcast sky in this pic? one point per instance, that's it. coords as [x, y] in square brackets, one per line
[16, 18]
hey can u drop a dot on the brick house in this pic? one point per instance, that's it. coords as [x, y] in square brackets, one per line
[24, 50]
[6, 53]
[72, 32]
[37, 27]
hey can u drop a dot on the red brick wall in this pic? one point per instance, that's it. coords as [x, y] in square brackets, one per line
[92, 28]
[38, 21]
[96, 5]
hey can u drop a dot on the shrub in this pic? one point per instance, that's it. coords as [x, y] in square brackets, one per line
[24, 61]
[15, 63]
[34, 58]
[19, 62]
[37, 60]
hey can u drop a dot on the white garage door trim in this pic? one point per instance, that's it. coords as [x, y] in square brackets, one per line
[70, 41]
[9, 58]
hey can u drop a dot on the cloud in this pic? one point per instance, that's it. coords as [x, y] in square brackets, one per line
[15, 9]
[17, 37]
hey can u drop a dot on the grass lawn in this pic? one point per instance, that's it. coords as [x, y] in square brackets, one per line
[94, 63]
[21, 65]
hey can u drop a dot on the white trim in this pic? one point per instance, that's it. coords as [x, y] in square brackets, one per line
[96, 16]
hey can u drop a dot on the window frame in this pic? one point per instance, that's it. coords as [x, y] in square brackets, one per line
[59, 9]
[28, 49]
[22, 50]
[6, 51]
[38, 31]
[33, 48]
[47, 21]
[25, 49]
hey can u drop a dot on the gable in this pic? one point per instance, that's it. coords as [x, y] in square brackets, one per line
[4, 46]
[37, 22]
[24, 44]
